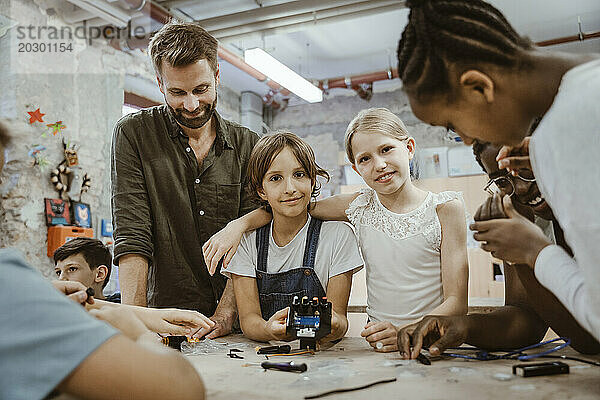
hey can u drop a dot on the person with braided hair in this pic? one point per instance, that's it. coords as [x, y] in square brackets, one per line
[464, 67]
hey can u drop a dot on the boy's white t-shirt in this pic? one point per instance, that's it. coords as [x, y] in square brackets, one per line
[337, 253]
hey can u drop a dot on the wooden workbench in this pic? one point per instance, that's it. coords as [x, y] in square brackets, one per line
[352, 363]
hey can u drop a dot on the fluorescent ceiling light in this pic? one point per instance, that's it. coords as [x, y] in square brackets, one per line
[281, 74]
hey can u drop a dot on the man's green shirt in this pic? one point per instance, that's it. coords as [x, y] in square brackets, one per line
[166, 206]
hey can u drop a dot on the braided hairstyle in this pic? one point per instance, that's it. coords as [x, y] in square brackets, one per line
[441, 32]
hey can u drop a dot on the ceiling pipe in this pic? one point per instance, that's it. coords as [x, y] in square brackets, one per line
[354, 81]
[294, 10]
[295, 23]
[78, 16]
[263, 11]
[129, 44]
[567, 39]
[149, 8]
[162, 16]
[110, 13]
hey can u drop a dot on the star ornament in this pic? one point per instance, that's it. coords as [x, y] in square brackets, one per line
[35, 116]
[56, 127]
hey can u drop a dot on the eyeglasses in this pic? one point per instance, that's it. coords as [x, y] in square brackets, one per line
[505, 182]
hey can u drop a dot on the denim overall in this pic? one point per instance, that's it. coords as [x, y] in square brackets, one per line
[276, 291]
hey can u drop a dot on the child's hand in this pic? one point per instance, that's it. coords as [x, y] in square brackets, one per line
[122, 318]
[514, 239]
[276, 325]
[223, 243]
[173, 321]
[74, 290]
[382, 336]
[514, 158]
[339, 327]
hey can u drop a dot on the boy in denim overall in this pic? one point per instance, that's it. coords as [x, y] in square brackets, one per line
[295, 255]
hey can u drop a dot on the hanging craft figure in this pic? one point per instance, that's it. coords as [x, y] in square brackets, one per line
[62, 176]
[38, 158]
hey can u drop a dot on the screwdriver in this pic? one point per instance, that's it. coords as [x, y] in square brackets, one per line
[286, 366]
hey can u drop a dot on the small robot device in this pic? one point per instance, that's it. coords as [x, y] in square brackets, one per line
[309, 320]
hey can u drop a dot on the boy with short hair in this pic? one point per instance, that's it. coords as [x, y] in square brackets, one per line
[88, 261]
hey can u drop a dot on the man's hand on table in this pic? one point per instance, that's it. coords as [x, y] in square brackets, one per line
[436, 332]
[222, 324]
[74, 290]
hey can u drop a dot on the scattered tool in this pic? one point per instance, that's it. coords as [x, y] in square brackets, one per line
[232, 353]
[283, 349]
[174, 342]
[423, 359]
[286, 366]
[541, 369]
[295, 353]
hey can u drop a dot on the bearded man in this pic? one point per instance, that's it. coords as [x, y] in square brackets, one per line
[177, 178]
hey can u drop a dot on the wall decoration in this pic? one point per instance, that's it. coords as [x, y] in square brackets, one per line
[39, 159]
[82, 216]
[61, 176]
[106, 228]
[461, 162]
[57, 212]
[35, 116]
[70, 154]
[56, 127]
[66, 177]
[432, 162]
[85, 185]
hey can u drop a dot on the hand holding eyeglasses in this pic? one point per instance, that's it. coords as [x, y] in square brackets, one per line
[512, 238]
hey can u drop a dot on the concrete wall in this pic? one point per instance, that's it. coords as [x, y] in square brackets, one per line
[84, 89]
[323, 126]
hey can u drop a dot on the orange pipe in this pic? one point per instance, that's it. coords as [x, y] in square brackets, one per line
[567, 39]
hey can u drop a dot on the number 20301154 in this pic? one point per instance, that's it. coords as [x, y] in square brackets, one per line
[45, 47]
